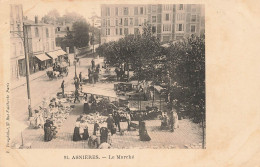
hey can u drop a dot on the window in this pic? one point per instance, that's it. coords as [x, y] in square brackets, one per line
[180, 7]
[36, 32]
[136, 11]
[108, 31]
[125, 10]
[47, 46]
[116, 22]
[166, 7]
[153, 8]
[47, 32]
[153, 29]
[116, 11]
[121, 22]
[131, 21]
[107, 11]
[126, 22]
[58, 28]
[121, 31]
[180, 27]
[104, 22]
[181, 16]
[116, 31]
[126, 31]
[167, 16]
[141, 10]
[153, 19]
[108, 22]
[17, 13]
[68, 29]
[136, 21]
[53, 46]
[193, 8]
[192, 28]
[166, 27]
[193, 18]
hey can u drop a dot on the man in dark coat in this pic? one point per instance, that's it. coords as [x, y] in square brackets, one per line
[117, 121]
[93, 64]
[80, 76]
[117, 73]
[62, 88]
[76, 96]
[110, 122]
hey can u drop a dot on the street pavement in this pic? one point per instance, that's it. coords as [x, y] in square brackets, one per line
[189, 135]
[41, 87]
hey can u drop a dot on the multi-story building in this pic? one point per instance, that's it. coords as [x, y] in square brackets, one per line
[16, 38]
[62, 29]
[42, 50]
[168, 22]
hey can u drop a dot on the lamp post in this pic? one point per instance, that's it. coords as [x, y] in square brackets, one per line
[25, 45]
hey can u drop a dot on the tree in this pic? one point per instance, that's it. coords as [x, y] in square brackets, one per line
[51, 17]
[80, 33]
[186, 64]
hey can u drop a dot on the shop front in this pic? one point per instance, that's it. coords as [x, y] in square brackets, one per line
[42, 61]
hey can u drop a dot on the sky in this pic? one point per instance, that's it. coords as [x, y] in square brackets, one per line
[40, 8]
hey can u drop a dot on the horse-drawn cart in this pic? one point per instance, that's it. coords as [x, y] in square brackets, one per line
[60, 70]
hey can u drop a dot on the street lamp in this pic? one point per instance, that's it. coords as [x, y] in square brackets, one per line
[25, 41]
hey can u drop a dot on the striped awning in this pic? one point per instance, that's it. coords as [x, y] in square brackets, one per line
[42, 57]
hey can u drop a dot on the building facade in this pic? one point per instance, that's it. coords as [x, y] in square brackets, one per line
[40, 40]
[168, 22]
[17, 56]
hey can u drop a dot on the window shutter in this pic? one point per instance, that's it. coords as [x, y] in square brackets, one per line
[188, 17]
[159, 8]
[159, 18]
[188, 8]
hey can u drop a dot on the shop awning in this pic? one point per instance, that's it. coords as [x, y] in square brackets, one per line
[53, 54]
[61, 52]
[42, 57]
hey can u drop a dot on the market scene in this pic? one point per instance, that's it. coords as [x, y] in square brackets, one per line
[97, 85]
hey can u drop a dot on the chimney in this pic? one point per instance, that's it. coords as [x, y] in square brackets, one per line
[36, 19]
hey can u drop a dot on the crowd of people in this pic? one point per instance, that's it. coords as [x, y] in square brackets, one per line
[170, 120]
[50, 116]
[99, 138]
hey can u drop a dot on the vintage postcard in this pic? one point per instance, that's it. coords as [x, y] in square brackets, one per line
[126, 83]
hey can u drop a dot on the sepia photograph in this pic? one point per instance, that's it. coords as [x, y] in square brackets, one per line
[107, 76]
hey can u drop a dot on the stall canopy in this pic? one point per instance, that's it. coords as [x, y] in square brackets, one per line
[42, 57]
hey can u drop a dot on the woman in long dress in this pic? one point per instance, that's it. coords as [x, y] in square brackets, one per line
[176, 119]
[143, 132]
[48, 134]
[39, 122]
[76, 134]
